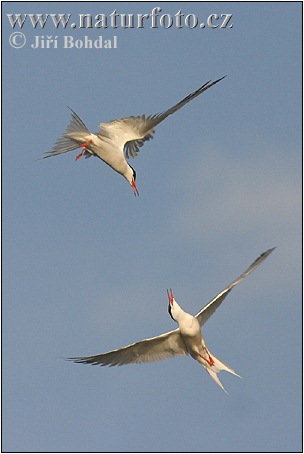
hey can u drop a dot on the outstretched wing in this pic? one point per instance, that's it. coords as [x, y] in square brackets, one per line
[156, 119]
[211, 307]
[132, 132]
[128, 133]
[157, 348]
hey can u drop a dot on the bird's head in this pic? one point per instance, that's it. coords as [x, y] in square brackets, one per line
[173, 308]
[131, 177]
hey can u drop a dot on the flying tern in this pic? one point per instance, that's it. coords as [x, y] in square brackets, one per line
[187, 339]
[118, 139]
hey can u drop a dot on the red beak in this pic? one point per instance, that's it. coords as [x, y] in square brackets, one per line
[170, 296]
[134, 188]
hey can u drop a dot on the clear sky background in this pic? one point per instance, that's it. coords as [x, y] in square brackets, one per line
[86, 265]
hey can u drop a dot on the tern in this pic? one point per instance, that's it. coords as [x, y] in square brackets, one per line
[187, 339]
[118, 139]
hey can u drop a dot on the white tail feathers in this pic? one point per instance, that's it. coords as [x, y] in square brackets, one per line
[75, 133]
[216, 368]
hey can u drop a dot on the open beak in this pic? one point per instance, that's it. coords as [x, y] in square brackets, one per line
[170, 296]
[171, 299]
[134, 188]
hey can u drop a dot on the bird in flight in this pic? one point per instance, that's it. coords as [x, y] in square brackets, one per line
[187, 339]
[116, 140]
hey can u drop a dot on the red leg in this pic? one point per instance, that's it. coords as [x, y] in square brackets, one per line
[210, 361]
[83, 149]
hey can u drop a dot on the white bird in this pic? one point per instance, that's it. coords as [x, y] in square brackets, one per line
[117, 139]
[187, 339]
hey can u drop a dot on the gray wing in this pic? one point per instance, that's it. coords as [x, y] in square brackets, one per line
[156, 119]
[211, 307]
[157, 348]
[128, 133]
[132, 132]
[132, 148]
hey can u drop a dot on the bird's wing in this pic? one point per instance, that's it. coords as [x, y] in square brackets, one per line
[131, 133]
[156, 119]
[157, 348]
[128, 133]
[211, 307]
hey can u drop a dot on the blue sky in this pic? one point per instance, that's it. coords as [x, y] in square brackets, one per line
[86, 265]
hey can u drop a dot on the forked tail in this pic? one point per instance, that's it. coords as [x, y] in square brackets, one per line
[216, 368]
[76, 130]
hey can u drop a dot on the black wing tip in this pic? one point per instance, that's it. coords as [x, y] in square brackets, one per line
[87, 360]
[71, 359]
[80, 360]
[204, 87]
[221, 78]
[260, 259]
[76, 359]
[268, 252]
[216, 81]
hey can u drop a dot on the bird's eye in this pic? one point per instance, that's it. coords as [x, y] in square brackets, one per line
[169, 310]
[134, 173]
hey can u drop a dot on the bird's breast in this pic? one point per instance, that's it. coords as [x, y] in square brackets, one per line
[109, 154]
[190, 330]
